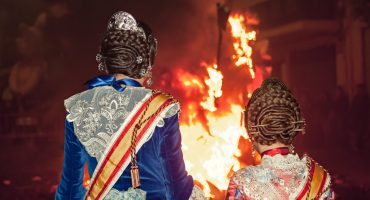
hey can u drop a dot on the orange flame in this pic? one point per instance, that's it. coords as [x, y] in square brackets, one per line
[210, 138]
[242, 38]
[210, 157]
[219, 144]
[214, 84]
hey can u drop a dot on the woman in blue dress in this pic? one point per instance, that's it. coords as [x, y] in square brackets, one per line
[98, 117]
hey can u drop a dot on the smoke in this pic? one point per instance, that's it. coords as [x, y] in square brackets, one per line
[187, 36]
[191, 36]
[31, 46]
[30, 42]
[58, 10]
[30, 38]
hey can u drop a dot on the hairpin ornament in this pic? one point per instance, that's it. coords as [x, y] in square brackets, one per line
[100, 59]
[263, 125]
[125, 21]
[298, 122]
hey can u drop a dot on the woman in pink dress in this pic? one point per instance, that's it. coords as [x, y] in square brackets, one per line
[273, 119]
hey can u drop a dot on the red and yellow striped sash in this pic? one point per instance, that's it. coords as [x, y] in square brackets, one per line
[315, 181]
[117, 157]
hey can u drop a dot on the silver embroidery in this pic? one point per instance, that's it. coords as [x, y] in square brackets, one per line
[130, 194]
[277, 177]
[197, 194]
[327, 193]
[98, 113]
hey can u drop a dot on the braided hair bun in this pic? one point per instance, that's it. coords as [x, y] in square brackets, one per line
[128, 47]
[273, 114]
[125, 52]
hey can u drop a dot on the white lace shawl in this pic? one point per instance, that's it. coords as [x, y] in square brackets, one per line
[98, 113]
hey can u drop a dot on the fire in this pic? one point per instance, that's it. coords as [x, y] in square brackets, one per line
[214, 84]
[209, 157]
[211, 134]
[219, 144]
[242, 37]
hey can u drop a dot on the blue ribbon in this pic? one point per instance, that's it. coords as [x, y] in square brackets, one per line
[107, 80]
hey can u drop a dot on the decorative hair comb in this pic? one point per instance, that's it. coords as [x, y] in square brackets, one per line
[295, 122]
[295, 130]
[125, 21]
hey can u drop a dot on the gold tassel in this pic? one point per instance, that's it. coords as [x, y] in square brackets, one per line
[135, 177]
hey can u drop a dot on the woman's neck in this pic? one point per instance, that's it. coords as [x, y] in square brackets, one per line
[122, 76]
[262, 148]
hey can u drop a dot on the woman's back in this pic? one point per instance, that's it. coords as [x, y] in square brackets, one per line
[128, 135]
[273, 119]
[277, 177]
[95, 117]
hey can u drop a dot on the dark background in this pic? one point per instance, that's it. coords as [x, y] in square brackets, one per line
[58, 41]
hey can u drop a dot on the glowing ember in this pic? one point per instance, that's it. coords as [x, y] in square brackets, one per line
[242, 38]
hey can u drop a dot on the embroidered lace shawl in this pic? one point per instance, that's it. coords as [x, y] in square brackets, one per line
[98, 113]
[277, 177]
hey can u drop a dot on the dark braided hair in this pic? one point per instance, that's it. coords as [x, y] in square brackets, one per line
[120, 50]
[273, 114]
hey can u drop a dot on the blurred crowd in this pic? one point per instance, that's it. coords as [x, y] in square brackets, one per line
[334, 119]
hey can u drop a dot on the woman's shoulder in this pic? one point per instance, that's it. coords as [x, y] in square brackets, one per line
[250, 182]
[107, 97]
[319, 173]
[247, 174]
[171, 110]
[314, 165]
[107, 93]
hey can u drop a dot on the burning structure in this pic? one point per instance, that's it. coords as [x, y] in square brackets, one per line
[320, 39]
[211, 119]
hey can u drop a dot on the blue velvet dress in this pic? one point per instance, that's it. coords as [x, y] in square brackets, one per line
[160, 159]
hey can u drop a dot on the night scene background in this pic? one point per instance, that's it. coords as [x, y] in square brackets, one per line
[319, 48]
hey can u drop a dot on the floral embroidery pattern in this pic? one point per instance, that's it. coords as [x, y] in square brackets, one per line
[197, 194]
[277, 177]
[97, 114]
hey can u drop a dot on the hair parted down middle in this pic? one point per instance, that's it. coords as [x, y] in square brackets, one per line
[121, 50]
[273, 114]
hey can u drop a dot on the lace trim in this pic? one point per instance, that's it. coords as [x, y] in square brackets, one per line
[327, 193]
[197, 194]
[98, 113]
[281, 162]
[138, 194]
[130, 194]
